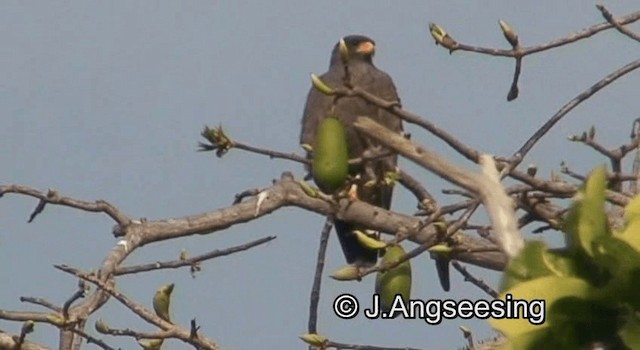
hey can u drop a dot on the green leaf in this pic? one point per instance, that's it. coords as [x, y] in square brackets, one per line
[622, 264]
[631, 232]
[528, 265]
[313, 339]
[632, 210]
[550, 289]
[560, 263]
[630, 331]
[587, 219]
[583, 321]
[590, 288]
[617, 256]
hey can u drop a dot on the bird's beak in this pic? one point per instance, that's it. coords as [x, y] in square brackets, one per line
[367, 48]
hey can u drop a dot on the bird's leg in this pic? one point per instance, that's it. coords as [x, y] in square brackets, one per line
[353, 189]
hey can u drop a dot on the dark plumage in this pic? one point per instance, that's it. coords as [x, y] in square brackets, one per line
[366, 76]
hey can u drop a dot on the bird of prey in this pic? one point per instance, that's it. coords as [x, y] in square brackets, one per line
[363, 74]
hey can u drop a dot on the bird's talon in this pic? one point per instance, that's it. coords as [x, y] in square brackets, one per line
[353, 193]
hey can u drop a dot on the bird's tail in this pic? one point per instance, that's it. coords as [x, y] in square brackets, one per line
[353, 251]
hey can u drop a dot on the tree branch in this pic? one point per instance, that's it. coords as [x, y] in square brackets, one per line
[526, 147]
[616, 23]
[52, 197]
[567, 39]
[314, 298]
[190, 261]
[173, 331]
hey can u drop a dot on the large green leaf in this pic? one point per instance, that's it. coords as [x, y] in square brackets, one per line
[587, 219]
[536, 260]
[528, 265]
[583, 321]
[631, 232]
[561, 263]
[550, 289]
[591, 287]
[630, 331]
[617, 256]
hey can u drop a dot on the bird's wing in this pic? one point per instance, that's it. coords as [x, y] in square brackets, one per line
[316, 109]
[386, 89]
[382, 86]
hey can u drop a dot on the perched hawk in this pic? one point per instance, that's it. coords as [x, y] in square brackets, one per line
[365, 75]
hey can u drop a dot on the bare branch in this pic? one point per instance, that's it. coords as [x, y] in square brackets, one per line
[513, 90]
[91, 339]
[564, 189]
[287, 192]
[568, 39]
[52, 197]
[344, 346]
[172, 330]
[616, 23]
[28, 316]
[41, 302]
[425, 199]
[526, 147]
[394, 108]
[8, 342]
[244, 194]
[79, 293]
[475, 281]
[174, 264]
[488, 188]
[314, 298]
[272, 154]
[423, 157]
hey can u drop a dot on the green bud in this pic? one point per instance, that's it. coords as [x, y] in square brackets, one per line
[441, 37]
[101, 326]
[509, 34]
[346, 273]
[162, 301]
[368, 241]
[320, 85]
[313, 339]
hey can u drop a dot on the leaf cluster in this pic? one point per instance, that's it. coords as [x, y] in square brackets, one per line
[590, 287]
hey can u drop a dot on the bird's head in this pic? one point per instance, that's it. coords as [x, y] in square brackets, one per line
[359, 47]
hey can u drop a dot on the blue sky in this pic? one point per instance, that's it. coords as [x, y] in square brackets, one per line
[107, 99]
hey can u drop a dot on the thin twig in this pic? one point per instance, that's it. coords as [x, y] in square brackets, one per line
[426, 200]
[244, 194]
[394, 108]
[568, 39]
[41, 302]
[174, 264]
[475, 281]
[314, 298]
[272, 154]
[513, 90]
[609, 17]
[526, 147]
[91, 339]
[345, 346]
[172, 330]
[52, 197]
[79, 293]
